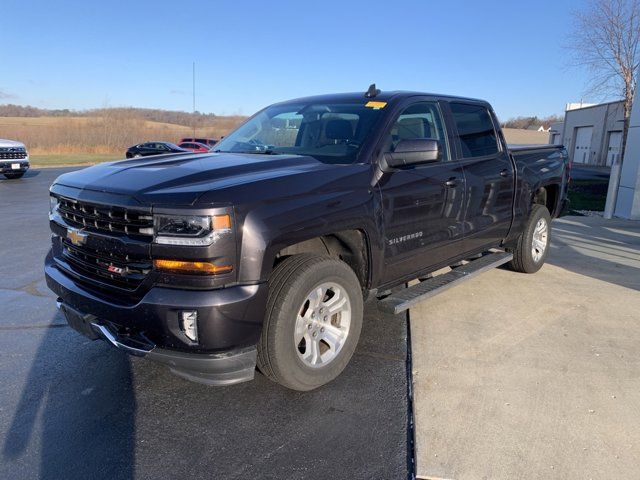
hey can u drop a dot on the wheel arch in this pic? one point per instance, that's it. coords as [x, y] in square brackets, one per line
[548, 196]
[351, 246]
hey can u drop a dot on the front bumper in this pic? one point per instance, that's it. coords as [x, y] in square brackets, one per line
[211, 369]
[229, 325]
[7, 166]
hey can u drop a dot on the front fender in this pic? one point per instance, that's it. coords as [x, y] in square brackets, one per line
[269, 228]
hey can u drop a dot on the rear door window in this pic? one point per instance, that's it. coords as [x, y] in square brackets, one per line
[475, 129]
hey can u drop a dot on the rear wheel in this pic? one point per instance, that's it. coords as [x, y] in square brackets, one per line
[312, 323]
[532, 248]
[12, 176]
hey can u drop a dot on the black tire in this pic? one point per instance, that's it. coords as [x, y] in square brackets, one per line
[13, 176]
[523, 259]
[290, 284]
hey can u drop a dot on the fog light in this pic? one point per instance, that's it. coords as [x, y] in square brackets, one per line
[189, 324]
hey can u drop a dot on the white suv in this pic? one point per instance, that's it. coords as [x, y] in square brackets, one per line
[14, 159]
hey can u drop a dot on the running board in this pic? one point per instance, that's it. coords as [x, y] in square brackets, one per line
[406, 298]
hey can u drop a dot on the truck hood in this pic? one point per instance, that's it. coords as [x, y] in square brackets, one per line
[10, 143]
[219, 178]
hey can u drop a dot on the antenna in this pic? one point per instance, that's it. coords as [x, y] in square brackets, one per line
[372, 91]
[194, 101]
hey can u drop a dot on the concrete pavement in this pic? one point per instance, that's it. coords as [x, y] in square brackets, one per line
[535, 376]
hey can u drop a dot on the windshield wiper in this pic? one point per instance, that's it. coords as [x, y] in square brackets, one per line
[261, 152]
[252, 152]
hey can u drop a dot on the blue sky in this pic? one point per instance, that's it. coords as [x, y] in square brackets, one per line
[86, 54]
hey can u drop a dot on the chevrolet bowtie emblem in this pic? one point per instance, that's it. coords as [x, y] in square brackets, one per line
[76, 236]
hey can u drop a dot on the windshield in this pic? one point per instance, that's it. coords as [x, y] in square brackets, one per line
[329, 132]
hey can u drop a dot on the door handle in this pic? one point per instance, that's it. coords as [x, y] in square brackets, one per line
[452, 182]
[505, 173]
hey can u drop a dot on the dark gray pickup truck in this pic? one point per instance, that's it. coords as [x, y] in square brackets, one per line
[263, 251]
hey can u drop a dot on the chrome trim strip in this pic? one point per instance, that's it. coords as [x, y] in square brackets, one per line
[108, 336]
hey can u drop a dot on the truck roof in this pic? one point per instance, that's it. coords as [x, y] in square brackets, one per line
[383, 96]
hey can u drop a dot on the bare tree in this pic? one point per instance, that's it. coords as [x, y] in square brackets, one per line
[605, 41]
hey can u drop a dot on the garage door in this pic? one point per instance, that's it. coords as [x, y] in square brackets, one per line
[581, 152]
[615, 144]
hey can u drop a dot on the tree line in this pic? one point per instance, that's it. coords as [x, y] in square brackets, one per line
[528, 122]
[197, 119]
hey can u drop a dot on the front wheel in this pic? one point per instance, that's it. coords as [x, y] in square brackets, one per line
[532, 248]
[312, 322]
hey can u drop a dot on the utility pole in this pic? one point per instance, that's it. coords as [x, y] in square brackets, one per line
[194, 100]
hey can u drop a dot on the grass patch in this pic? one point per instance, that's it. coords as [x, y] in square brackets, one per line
[61, 159]
[588, 194]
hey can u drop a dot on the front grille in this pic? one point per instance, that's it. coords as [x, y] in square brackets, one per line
[106, 219]
[123, 271]
[13, 155]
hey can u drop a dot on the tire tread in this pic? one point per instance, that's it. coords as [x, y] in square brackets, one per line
[284, 278]
[521, 261]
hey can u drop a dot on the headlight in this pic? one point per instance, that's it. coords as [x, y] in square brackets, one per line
[193, 230]
[53, 204]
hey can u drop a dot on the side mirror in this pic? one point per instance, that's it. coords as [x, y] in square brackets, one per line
[413, 152]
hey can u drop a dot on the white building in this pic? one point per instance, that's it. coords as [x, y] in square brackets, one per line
[628, 200]
[591, 134]
[556, 130]
[577, 105]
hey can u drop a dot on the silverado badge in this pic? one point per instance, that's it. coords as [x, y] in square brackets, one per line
[76, 236]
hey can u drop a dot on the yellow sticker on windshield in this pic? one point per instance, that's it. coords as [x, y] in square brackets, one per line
[376, 105]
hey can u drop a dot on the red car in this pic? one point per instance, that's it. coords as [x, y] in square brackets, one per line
[207, 141]
[195, 147]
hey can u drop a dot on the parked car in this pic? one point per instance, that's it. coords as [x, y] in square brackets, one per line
[195, 147]
[266, 253]
[14, 159]
[153, 148]
[207, 141]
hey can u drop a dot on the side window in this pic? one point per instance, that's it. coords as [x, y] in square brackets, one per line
[475, 129]
[420, 120]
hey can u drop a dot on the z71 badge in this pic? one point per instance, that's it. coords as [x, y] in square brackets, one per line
[114, 269]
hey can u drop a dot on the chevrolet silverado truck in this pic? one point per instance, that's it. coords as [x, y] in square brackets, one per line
[14, 159]
[263, 252]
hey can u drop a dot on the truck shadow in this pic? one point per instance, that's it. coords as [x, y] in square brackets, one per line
[607, 250]
[30, 173]
[78, 406]
[89, 411]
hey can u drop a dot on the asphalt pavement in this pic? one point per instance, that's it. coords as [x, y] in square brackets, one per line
[72, 408]
[589, 172]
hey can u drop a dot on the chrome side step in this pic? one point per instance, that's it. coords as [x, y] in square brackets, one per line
[404, 299]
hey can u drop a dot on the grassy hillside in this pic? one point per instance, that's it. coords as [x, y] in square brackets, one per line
[51, 160]
[109, 134]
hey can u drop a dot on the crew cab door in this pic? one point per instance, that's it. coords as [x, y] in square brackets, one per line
[422, 205]
[489, 174]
